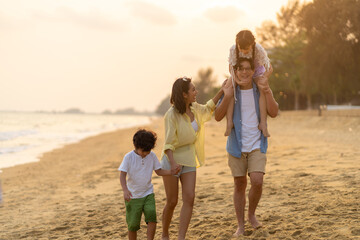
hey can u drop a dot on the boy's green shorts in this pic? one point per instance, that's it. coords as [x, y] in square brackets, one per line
[134, 209]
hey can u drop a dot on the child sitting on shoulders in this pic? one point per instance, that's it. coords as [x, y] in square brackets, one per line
[246, 47]
[138, 166]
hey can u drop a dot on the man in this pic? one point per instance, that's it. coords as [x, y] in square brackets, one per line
[246, 145]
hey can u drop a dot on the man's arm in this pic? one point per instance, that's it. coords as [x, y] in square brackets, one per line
[271, 105]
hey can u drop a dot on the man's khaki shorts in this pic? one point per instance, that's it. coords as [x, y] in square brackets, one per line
[249, 162]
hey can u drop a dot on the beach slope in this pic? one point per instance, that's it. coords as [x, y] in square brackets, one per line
[311, 187]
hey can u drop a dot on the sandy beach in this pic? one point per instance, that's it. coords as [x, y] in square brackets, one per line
[311, 187]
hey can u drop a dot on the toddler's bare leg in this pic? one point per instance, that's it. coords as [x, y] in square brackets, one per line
[229, 117]
[263, 115]
[229, 112]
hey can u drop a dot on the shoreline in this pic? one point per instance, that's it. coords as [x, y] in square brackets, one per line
[33, 152]
[310, 187]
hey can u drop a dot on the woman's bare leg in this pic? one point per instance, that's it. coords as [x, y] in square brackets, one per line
[171, 184]
[188, 182]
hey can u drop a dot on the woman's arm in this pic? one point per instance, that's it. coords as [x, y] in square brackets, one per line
[174, 166]
[221, 109]
[218, 95]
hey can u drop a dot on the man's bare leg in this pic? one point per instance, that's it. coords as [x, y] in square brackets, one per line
[239, 203]
[256, 179]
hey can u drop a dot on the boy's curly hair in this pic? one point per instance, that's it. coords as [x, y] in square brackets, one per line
[144, 140]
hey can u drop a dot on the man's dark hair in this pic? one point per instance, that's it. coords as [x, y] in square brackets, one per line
[144, 140]
[240, 60]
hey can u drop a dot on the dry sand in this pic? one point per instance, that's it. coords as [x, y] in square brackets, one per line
[311, 188]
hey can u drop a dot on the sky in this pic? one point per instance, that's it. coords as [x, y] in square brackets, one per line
[101, 55]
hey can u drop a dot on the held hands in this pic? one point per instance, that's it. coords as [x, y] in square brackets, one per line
[227, 88]
[175, 168]
[127, 195]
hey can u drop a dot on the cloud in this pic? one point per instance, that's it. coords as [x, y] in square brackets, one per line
[224, 14]
[151, 12]
[94, 20]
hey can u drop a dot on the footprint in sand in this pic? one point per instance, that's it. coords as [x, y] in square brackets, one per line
[355, 232]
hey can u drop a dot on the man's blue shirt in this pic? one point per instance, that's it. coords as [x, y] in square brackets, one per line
[233, 145]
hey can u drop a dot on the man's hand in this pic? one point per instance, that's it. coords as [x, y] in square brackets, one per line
[127, 195]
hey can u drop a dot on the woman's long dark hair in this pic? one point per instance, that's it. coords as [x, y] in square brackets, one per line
[180, 86]
[244, 39]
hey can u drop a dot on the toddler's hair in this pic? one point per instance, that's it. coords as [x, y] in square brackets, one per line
[245, 39]
[144, 140]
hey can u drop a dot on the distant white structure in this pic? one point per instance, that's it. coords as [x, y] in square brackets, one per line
[341, 107]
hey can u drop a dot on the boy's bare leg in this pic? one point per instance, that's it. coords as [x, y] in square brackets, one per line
[263, 115]
[239, 204]
[151, 228]
[256, 179]
[229, 117]
[132, 235]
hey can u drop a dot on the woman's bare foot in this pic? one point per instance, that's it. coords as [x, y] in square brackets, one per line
[264, 130]
[239, 232]
[254, 222]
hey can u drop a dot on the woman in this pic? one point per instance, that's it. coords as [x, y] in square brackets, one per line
[183, 150]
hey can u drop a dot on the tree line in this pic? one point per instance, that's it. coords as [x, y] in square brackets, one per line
[314, 49]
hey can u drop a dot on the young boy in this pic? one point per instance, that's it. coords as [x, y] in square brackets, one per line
[138, 189]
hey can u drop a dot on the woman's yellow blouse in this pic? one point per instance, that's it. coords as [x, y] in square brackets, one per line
[180, 137]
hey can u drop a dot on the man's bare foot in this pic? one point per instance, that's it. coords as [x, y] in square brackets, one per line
[263, 128]
[165, 238]
[239, 232]
[254, 222]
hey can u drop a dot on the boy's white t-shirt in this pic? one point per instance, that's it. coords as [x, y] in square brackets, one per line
[139, 171]
[250, 135]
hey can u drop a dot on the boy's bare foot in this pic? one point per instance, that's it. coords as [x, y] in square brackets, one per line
[254, 222]
[239, 232]
[264, 130]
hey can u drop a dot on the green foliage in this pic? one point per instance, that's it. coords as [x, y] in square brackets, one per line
[205, 85]
[314, 49]
[163, 106]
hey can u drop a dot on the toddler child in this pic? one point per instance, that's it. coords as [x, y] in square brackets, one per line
[246, 47]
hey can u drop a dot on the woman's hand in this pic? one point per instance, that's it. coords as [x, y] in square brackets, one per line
[175, 168]
[227, 88]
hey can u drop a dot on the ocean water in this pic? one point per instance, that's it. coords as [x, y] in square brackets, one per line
[24, 137]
